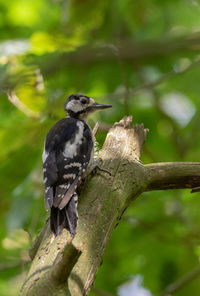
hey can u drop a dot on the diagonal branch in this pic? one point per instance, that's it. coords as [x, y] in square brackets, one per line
[64, 263]
[12, 97]
[181, 282]
[102, 202]
[150, 85]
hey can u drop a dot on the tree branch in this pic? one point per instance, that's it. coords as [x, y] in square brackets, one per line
[64, 263]
[36, 244]
[181, 282]
[102, 202]
[151, 85]
[172, 175]
[129, 51]
[12, 97]
[195, 189]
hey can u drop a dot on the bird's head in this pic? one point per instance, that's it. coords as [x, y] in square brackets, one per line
[80, 106]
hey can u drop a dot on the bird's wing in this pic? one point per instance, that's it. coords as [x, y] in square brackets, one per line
[50, 174]
[67, 153]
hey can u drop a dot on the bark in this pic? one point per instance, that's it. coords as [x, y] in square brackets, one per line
[173, 175]
[68, 267]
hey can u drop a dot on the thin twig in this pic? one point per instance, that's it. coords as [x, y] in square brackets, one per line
[95, 129]
[181, 282]
[116, 52]
[125, 82]
[156, 82]
[196, 189]
[12, 97]
[180, 147]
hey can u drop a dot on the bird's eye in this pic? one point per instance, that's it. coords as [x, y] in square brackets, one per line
[83, 101]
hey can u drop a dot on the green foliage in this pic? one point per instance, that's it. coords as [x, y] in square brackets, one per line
[50, 49]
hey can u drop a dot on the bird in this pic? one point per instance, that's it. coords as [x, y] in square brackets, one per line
[67, 155]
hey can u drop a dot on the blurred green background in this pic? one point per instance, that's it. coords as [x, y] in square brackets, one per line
[140, 56]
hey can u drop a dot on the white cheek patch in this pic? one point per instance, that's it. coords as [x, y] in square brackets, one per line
[74, 106]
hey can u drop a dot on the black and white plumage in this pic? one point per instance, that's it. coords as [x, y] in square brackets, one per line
[68, 151]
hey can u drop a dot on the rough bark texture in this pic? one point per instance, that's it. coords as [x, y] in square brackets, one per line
[172, 175]
[65, 267]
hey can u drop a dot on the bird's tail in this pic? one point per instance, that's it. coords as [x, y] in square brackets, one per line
[65, 218]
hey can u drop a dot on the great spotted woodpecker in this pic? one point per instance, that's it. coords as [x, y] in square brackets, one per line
[68, 152]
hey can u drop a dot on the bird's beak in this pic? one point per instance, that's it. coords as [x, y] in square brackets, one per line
[97, 106]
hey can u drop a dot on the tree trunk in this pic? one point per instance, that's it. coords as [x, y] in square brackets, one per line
[68, 267]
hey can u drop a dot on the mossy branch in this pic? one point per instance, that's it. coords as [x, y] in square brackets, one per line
[172, 175]
[64, 263]
[102, 202]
